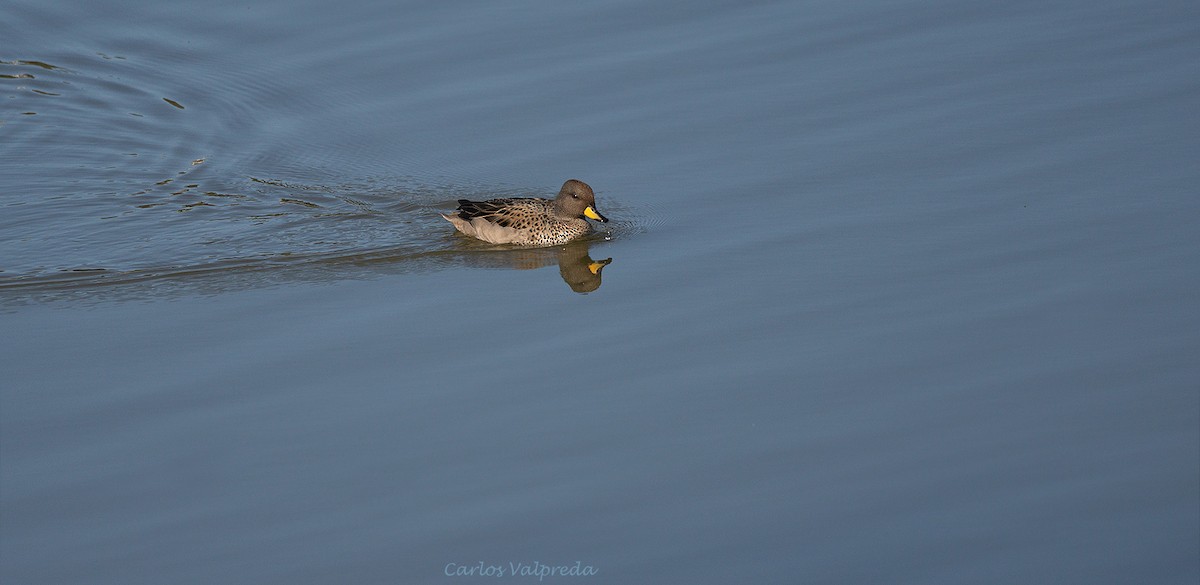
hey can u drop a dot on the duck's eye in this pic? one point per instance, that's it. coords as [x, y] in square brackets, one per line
[574, 196]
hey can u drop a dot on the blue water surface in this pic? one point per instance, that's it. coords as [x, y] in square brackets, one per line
[899, 292]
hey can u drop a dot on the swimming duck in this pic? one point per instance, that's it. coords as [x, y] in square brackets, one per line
[529, 221]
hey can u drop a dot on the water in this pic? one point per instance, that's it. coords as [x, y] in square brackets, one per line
[898, 292]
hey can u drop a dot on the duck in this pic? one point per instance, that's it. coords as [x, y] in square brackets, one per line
[529, 221]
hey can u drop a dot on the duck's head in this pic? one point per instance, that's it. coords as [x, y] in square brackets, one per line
[576, 199]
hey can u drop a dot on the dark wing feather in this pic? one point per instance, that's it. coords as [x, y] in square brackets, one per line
[493, 210]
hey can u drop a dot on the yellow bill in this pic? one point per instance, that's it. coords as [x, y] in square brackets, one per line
[592, 213]
[595, 267]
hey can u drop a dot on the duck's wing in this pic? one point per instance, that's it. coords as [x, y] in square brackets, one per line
[503, 212]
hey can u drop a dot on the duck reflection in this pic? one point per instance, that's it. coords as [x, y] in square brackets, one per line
[575, 263]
